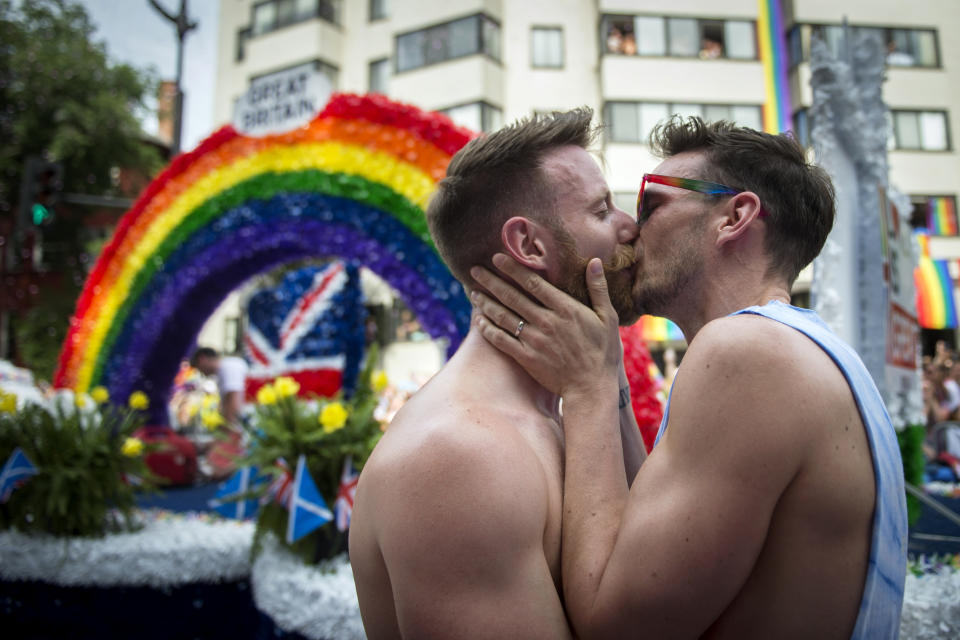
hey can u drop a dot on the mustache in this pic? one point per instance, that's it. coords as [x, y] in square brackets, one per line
[623, 257]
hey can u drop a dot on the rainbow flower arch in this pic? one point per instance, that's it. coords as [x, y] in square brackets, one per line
[353, 183]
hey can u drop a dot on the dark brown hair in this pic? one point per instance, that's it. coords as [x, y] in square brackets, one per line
[797, 195]
[495, 177]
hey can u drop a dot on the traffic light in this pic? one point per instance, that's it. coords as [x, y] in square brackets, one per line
[39, 191]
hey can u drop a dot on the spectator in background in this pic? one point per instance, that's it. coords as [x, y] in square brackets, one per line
[629, 45]
[941, 394]
[614, 41]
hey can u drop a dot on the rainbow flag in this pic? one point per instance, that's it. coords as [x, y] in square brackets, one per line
[656, 329]
[777, 110]
[936, 302]
[942, 216]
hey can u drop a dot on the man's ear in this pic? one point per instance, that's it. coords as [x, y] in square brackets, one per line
[741, 211]
[525, 241]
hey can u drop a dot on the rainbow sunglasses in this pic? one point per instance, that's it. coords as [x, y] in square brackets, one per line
[700, 186]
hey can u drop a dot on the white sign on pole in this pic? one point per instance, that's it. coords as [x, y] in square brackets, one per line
[281, 101]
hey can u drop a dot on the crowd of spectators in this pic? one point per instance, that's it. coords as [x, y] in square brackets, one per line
[941, 400]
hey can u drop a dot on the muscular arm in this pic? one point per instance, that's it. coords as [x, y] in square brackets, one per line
[462, 537]
[667, 560]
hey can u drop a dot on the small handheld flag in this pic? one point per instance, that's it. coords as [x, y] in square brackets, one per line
[281, 487]
[343, 507]
[16, 471]
[308, 511]
[227, 501]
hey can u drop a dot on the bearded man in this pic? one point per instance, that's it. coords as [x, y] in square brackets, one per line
[456, 526]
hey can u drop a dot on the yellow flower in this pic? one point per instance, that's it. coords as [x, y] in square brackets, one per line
[379, 380]
[286, 386]
[82, 400]
[8, 402]
[266, 395]
[132, 447]
[211, 419]
[210, 401]
[333, 417]
[99, 394]
[139, 400]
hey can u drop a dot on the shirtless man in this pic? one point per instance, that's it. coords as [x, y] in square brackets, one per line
[456, 526]
[772, 505]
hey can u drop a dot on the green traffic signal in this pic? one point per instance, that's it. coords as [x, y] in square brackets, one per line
[40, 214]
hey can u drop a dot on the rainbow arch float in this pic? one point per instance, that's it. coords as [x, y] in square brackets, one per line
[353, 183]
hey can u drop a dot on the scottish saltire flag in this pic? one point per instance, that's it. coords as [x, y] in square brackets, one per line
[281, 488]
[308, 511]
[16, 471]
[309, 327]
[343, 507]
[227, 500]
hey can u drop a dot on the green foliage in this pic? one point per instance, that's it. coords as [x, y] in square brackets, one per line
[290, 427]
[911, 450]
[81, 488]
[64, 100]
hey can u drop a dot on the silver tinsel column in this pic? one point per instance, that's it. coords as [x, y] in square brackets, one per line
[849, 134]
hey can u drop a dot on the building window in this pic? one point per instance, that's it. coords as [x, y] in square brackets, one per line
[378, 10]
[242, 36]
[275, 14]
[905, 47]
[448, 41]
[918, 131]
[679, 37]
[633, 121]
[801, 126]
[476, 116]
[379, 76]
[546, 47]
[936, 214]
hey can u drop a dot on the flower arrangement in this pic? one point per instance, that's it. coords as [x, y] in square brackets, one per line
[83, 463]
[329, 432]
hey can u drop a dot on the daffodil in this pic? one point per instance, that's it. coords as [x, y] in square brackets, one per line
[266, 395]
[286, 386]
[82, 400]
[210, 401]
[132, 447]
[333, 417]
[211, 419]
[138, 400]
[379, 380]
[8, 402]
[99, 394]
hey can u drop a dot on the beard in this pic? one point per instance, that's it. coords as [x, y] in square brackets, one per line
[656, 290]
[573, 278]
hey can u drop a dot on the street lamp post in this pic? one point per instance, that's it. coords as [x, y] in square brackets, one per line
[183, 25]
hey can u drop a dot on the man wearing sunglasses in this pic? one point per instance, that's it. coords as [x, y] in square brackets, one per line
[772, 505]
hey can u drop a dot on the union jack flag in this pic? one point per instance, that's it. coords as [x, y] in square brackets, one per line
[281, 488]
[343, 507]
[310, 327]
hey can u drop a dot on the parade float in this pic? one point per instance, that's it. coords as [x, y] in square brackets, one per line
[349, 188]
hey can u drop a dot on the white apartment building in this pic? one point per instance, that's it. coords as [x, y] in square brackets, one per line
[486, 62]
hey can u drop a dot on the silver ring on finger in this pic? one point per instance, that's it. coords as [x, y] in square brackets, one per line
[520, 325]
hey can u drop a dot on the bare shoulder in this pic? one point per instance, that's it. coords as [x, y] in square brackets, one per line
[459, 466]
[760, 381]
[752, 348]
